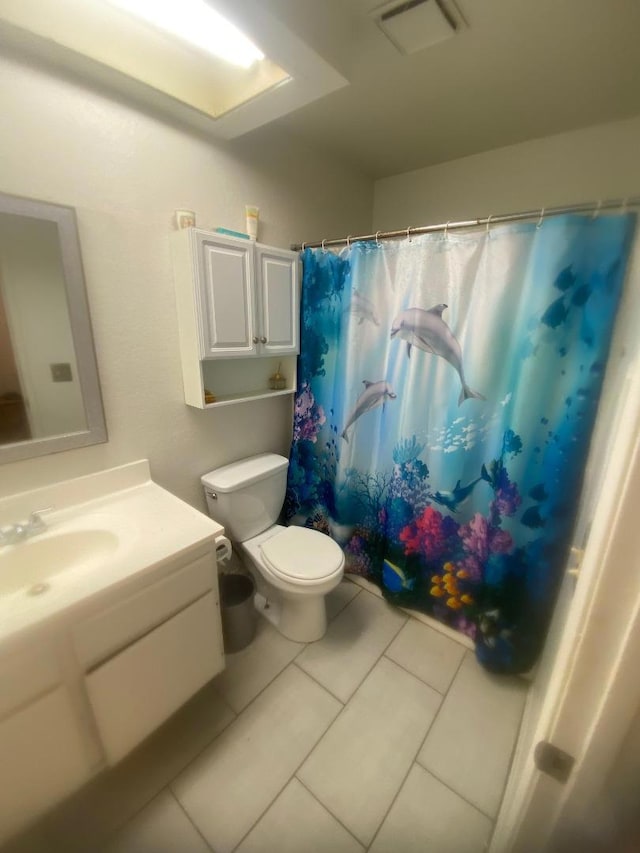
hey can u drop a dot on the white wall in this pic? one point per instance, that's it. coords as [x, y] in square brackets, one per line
[600, 162]
[125, 172]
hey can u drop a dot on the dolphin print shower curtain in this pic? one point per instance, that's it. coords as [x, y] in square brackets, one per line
[447, 389]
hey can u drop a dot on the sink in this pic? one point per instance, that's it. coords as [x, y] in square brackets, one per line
[30, 565]
[105, 531]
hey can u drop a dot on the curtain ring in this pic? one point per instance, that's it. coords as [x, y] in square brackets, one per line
[349, 241]
[446, 229]
[596, 212]
[302, 248]
[378, 243]
[409, 233]
[322, 244]
[625, 204]
[489, 218]
[539, 225]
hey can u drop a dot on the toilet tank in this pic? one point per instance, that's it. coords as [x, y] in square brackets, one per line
[247, 496]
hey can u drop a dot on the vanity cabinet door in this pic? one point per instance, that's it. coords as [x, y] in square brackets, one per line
[226, 304]
[43, 758]
[137, 689]
[278, 300]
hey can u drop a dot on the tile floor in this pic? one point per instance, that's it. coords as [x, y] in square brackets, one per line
[385, 735]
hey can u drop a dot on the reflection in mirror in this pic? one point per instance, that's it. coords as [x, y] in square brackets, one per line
[49, 392]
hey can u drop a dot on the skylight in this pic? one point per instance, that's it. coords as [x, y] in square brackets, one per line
[166, 55]
[195, 22]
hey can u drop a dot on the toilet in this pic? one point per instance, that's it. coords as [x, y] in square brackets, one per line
[293, 567]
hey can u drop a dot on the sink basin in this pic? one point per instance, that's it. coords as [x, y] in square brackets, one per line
[31, 564]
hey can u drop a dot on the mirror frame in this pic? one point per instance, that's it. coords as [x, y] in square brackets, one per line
[80, 321]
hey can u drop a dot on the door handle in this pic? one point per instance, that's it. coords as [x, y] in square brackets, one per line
[255, 339]
[263, 340]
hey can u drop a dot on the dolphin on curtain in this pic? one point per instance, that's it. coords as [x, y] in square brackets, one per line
[374, 394]
[362, 308]
[427, 331]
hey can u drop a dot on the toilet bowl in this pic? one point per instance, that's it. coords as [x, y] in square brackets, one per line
[294, 567]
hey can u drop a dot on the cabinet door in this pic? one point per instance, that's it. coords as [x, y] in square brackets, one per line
[135, 691]
[226, 301]
[278, 300]
[43, 759]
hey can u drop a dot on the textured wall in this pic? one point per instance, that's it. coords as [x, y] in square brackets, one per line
[584, 165]
[125, 172]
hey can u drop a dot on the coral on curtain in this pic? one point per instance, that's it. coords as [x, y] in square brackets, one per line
[447, 390]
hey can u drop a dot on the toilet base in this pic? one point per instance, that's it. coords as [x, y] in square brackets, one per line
[303, 619]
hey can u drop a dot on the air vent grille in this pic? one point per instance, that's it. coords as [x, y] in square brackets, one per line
[416, 24]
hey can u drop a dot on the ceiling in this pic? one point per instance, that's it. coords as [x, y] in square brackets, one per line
[516, 70]
[521, 69]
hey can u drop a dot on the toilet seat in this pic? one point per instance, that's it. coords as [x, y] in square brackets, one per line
[302, 556]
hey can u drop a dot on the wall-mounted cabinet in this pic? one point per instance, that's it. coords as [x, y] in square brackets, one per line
[238, 314]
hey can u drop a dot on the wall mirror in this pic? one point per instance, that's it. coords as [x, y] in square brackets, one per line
[49, 388]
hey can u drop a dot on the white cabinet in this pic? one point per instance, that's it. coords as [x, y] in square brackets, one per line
[43, 753]
[146, 654]
[223, 273]
[137, 689]
[80, 695]
[277, 299]
[238, 306]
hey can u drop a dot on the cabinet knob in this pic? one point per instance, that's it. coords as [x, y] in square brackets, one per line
[255, 339]
[263, 340]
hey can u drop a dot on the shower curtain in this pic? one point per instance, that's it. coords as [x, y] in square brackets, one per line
[447, 390]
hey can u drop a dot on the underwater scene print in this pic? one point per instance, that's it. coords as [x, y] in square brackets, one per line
[447, 391]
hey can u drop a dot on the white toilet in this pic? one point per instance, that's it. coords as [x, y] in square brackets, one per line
[294, 567]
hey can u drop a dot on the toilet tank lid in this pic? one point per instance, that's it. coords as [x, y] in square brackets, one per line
[244, 472]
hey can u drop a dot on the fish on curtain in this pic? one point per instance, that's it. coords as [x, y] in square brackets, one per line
[447, 390]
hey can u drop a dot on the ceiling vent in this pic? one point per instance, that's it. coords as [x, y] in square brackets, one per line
[415, 24]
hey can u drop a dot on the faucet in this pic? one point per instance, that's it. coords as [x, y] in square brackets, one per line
[24, 529]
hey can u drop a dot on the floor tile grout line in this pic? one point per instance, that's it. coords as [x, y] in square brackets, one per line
[293, 662]
[263, 813]
[434, 624]
[301, 669]
[421, 744]
[446, 784]
[344, 704]
[268, 684]
[328, 810]
[110, 836]
[453, 791]
[374, 664]
[409, 672]
[382, 653]
[193, 823]
[228, 726]
[167, 785]
[344, 606]
[329, 622]
[414, 760]
[414, 677]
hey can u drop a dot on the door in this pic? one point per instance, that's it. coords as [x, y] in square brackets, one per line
[226, 299]
[278, 300]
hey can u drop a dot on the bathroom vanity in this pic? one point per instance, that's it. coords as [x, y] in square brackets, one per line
[109, 622]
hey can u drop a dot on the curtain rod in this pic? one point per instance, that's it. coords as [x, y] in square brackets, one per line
[595, 207]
